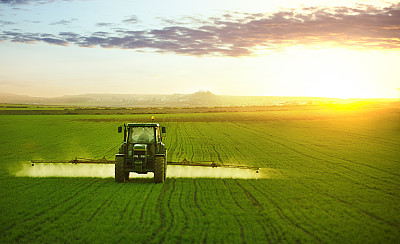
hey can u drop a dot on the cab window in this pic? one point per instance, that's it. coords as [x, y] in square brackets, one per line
[141, 135]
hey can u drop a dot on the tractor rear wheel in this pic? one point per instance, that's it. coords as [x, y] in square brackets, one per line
[119, 169]
[159, 170]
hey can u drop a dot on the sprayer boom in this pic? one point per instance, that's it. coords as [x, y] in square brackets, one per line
[210, 164]
[184, 162]
[75, 161]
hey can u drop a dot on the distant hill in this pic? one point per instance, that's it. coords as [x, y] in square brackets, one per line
[197, 99]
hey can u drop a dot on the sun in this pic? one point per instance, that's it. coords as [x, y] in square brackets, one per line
[331, 72]
[332, 87]
[337, 73]
[338, 82]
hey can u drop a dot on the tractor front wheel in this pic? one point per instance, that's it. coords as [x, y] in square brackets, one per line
[165, 165]
[119, 169]
[159, 168]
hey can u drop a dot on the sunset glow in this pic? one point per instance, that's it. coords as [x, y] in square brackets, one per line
[55, 48]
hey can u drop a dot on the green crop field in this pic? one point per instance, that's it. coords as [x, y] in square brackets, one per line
[333, 177]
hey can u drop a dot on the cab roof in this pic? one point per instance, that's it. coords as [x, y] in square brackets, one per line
[143, 125]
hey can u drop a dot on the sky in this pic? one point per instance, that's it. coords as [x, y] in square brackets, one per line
[343, 48]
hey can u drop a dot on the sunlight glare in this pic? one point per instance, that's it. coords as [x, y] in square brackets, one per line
[331, 72]
[337, 74]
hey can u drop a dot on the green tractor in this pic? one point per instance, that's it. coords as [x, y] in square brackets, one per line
[142, 151]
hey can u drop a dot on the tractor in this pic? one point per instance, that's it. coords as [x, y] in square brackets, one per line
[142, 151]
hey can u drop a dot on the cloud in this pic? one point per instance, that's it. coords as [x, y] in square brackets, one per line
[4, 23]
[131, 20]
[33, 37]
[13, 2]
[239, 34]
[63, 22]
[104, 24]
[33, 21]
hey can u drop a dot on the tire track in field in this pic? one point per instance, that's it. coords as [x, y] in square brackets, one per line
[191, 144]
[358, 163]
[189, 137]
[70, 207]
[181, 152]
[233, 142]
[333, 166]
[353, 207]
[226, 140]
[368, 137]
[44, 211]
[104, 203]
[252, 199]
[196, 200]
[170, 209]
[144, 205]
[202, 148]
[284, 217]
[224, 153]
[63, 202]
[241, 227]
[35, 215]
[302, 215]
[233, 197]
[163, 228]
[309, 147]
[174, 146]
[259, 207]
[196, 203]
[184, 142]
[136, 200]
[248, 141]
[54, 141]
[73, 205]
[195, 127]
[181, 207]
[270, 136]
[129, 203]
[218, 155]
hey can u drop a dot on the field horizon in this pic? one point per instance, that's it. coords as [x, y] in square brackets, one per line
[196, 99]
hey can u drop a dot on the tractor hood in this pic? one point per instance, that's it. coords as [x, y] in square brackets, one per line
[140, 147]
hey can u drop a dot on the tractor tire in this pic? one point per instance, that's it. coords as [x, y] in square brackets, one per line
[159, 170]
[165, 165]
[119, 169]
[165, 168]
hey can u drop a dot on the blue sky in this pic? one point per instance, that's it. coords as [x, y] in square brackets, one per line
[325, 48]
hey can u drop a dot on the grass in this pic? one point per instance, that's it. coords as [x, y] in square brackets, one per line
[340, 179]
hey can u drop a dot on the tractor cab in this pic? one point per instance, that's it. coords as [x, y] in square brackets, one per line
[144, 133]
